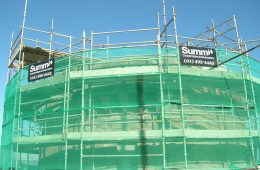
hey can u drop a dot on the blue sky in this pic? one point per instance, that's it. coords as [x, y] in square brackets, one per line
[72, 16]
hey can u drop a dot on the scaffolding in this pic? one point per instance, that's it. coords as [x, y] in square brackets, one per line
[132, 105]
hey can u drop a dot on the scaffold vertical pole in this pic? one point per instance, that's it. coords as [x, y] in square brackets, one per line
[65, 118]
[244, 76]
[22, 59]
[92, 111]
[164, 22]
[51, 38]
[18, 117]
[161, 92]
[67, 103]
[91, 49]
[19, 83]
[22, 34]
[64, 131]
[253, 93]
[64, 102]
[180, 88]
[82, 100]
[214, 33]
[253, 97]
[89, 107]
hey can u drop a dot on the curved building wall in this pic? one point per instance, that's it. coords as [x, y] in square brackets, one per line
[133, 108]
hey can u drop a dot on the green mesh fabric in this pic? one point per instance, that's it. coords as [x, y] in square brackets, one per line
[133, 108]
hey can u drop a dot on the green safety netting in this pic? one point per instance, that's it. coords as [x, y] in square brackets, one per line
[133, 108]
